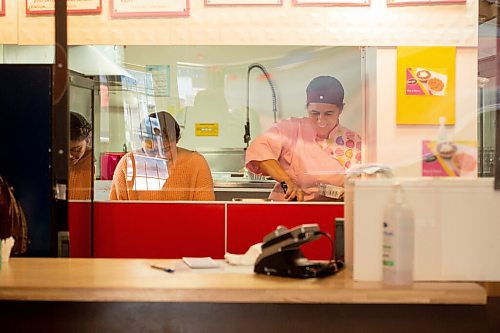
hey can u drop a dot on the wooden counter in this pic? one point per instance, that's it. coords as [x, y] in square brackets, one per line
[132, 280]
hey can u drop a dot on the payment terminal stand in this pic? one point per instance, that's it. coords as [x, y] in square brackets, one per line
[281, 254]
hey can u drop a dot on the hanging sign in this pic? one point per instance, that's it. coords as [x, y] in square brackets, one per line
[36, 7]
[243, 2]
[2, 7]
[331, 2]
[425, 85]
[423, 2]
[149, 8]
[161, 79]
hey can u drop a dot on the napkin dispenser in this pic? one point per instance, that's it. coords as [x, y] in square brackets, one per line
[281, 254]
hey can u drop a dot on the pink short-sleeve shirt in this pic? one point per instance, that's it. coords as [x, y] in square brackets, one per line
[306, 160]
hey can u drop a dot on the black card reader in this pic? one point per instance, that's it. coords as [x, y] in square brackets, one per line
[281, 254]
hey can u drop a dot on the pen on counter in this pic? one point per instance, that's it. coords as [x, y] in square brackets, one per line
[168, 270]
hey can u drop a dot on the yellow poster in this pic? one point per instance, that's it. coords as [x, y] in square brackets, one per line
[425, 85]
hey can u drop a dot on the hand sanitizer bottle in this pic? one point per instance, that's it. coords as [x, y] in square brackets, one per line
[398, 240]
[442, 135]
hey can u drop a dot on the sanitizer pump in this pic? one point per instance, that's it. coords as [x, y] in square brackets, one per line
[442, 135]
[398, 240]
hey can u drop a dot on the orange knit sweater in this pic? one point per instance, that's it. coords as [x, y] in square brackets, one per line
[189, 179]
[80, 178]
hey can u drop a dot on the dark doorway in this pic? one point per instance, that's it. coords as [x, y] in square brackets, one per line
[25, 125]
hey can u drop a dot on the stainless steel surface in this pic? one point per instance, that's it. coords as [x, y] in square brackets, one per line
[240, 180]
[252, 200]
[230, 186]
[253, 176]
[244, 184]
[224, 160]
[239, 193]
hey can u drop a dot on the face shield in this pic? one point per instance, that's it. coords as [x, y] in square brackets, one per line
[150, 171]
[158, 137]
[168, 136]
[150, 136]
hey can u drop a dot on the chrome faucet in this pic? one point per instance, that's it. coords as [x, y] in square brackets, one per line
[246, 137]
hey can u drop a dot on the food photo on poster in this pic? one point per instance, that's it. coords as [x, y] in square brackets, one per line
[426, 81]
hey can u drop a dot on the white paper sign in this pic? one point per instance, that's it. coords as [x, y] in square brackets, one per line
[124, 8]
[331, 2]
[242, 2]
[161, 79]
[423, 2]
[73, 6]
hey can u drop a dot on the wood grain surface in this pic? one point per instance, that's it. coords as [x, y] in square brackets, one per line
[63, 279]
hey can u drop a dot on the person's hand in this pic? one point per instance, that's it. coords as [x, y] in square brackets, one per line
[293, 192]
[274, 169]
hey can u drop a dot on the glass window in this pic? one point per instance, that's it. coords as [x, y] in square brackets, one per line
[215, 102]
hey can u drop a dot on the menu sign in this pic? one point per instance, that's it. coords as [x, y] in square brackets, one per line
[423, 2]
[449, 159]
[34, 7]
[148, 8]
[331, 2]
[425, 85]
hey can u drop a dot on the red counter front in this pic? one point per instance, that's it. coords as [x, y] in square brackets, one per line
[79, 217]
[247, 224]
[158, 230]
[174, 230]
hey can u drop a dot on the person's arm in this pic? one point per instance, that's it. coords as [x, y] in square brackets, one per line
[274, 169]
[204, 190]
[119, 183]
[113, 193]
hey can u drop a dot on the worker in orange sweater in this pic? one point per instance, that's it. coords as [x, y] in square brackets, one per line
[161, 170]
[80, 158]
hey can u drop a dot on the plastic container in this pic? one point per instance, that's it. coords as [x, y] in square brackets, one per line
[442, 136]
[398, 240]
[356, 172]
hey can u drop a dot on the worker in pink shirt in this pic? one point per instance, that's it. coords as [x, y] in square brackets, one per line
[302, 153]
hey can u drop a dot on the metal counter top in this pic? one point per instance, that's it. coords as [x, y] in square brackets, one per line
[237, 181]
[244, 183]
